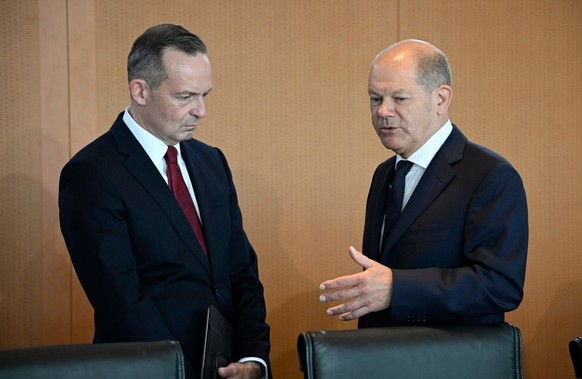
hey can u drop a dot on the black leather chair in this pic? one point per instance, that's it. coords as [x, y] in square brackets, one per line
[141, 360]
[575, 347]
[412, 352]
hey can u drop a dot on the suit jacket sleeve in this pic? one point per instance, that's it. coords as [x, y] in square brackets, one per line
[248, 304]
[491, 245]
[94, 225]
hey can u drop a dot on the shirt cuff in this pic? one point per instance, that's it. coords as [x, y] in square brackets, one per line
[263, 364]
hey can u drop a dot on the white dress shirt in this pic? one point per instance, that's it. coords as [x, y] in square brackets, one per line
[421, 158]
[156, 149]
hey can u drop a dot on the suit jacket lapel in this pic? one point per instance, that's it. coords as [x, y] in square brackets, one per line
[197, 172]
[141, 167]
[377, 207]
[211, 193]
[434, 180]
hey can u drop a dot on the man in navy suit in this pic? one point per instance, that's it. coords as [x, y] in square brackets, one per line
[457, 250]
[146, 273]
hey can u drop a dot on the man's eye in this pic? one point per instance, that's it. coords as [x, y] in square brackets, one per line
[400, 99]
[375, 100]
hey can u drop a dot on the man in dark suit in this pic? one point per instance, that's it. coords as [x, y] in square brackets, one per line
[146, 272]
[456, 252]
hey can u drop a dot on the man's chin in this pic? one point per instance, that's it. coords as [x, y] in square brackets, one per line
[187, 132]
[391, 143]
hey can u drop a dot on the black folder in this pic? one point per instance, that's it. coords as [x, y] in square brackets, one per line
[217, 344]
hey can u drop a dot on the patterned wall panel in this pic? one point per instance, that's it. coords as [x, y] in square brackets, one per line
[20, 176]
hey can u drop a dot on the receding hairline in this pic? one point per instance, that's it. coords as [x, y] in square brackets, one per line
[416, 46]
[430, 64]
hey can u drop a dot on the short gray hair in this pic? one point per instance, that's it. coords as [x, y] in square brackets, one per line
[145, 60]
[433, 70]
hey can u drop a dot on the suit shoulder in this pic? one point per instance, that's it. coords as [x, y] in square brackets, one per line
[199, 146]
[479, 156]
[96, 150]
[197, 152]
[482, 152]
[480, 163]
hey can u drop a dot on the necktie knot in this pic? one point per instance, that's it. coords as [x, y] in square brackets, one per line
[402, 168]
[171, 155]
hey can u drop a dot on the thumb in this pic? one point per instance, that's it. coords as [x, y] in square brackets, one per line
[360, 258]
[222, 372]
[225, 372]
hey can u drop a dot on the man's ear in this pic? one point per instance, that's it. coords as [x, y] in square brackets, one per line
[444, 95]
[139, 91]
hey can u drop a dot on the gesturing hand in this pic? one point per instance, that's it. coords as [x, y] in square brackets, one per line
[364, 292]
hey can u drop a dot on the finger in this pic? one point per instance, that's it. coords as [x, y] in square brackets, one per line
[337, 310]
[349, 280]
[349, 307]
[342, 294]
[347, 317]
[223, 372]
[228, 371]
[360, 258]
[348, 312]
[342, 281]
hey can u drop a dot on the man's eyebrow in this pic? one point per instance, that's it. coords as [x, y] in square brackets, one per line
[397, 91]
[189, 92]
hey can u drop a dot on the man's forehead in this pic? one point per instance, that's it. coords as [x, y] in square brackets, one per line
[392, 75]
[386, 88]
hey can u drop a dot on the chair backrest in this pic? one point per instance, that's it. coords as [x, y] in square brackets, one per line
[575, 347]
[447, 352]
[142, 360]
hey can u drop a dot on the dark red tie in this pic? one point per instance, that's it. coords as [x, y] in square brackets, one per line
[180, 191]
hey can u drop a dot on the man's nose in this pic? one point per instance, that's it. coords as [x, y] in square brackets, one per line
[198, 109]
[386, 109]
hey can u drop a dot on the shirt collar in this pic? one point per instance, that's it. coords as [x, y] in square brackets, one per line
[423, 156]
[154, 147]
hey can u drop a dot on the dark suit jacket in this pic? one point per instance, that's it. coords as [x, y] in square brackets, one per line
[458, 250]
[138, 259]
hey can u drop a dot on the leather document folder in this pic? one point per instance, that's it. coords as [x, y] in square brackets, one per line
[217, 344]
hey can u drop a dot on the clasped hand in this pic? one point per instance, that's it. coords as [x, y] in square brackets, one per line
[364, 292]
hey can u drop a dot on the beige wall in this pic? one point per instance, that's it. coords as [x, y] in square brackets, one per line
[289, 109]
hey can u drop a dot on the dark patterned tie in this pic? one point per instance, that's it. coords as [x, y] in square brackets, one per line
[395, 197]
[180, 191]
